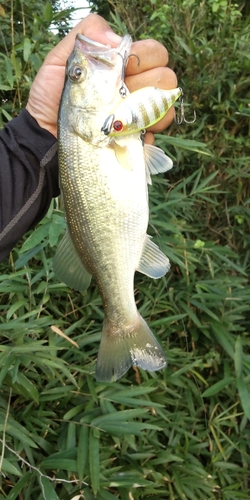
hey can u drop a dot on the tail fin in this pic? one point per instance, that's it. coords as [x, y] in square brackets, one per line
[120, 350]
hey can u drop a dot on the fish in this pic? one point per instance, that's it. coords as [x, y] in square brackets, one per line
[105, 194]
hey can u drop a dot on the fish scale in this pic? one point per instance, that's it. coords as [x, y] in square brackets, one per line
[114, 225]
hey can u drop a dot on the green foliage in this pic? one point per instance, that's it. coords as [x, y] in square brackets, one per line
[26, 38]
[183, 432]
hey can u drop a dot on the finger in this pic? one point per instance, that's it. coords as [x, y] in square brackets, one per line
[164, 122]
[96, 28]
[150, 53]
[149, 138]
[162, 78]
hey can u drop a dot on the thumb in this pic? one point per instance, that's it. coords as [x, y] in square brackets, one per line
[97, 29]
[93, 27]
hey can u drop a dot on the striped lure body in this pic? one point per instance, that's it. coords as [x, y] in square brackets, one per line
[140, 110]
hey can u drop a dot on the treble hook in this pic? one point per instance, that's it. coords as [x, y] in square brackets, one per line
[123, 88]
[182, 118]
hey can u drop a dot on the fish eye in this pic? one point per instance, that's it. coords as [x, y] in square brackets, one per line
[76, 73]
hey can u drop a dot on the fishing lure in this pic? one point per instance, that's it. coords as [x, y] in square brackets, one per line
[139, 110]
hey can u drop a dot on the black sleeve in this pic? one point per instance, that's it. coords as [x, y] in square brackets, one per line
[28, 178]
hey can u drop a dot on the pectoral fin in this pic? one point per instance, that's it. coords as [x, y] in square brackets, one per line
[156, 161]
[68, 266]
[153, 262]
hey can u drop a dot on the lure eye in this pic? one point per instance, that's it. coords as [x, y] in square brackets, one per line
[118, 125]
[76, 73]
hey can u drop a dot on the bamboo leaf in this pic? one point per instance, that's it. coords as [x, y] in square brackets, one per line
[48, 12]
[5, 87]
[59, 464]
[238, 357]
[26, 49]
[135, 428]
[36, 237]
[121, 416]
[22, 436]
[47, 488]
[17, 488]
[26, 387]
[244, 394]
[179, 142]
[6, 363]
[15, 307]
[9, 468]
[106, 495]
[82, 451]
[94, 460]
[9, 71]
[217, 387]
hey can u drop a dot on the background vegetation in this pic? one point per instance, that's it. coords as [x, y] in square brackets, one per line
[182, 433]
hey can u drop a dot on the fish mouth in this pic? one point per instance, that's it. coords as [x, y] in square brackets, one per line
[103, 53]
[83, 38]
[96, 50]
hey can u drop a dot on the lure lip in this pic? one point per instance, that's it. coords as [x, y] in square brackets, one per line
[107, 126]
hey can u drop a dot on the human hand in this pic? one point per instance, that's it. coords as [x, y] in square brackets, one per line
[46, 90]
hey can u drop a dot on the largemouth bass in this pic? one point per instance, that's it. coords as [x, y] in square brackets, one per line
[104, 186]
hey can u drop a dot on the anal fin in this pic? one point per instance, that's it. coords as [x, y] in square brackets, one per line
[154, 262]
[122, 155]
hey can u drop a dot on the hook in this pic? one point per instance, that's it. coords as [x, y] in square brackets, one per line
[182, 118]
[123, 88]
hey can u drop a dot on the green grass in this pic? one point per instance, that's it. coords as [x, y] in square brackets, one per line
[180, 433]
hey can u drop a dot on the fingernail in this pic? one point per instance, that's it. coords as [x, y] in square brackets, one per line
[113, 37]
